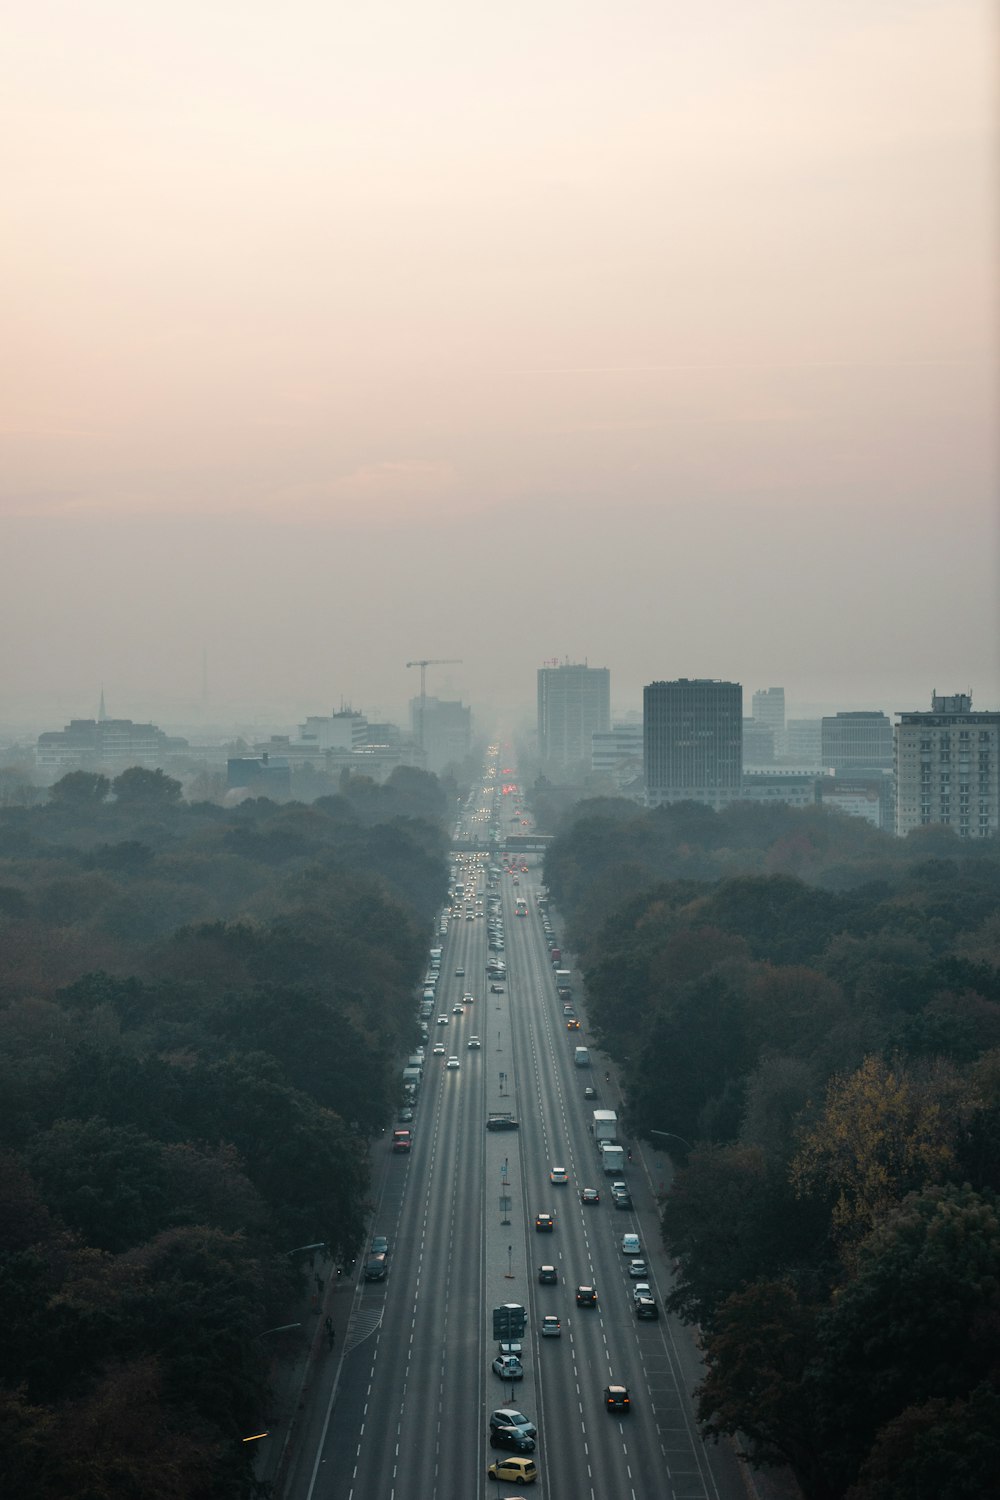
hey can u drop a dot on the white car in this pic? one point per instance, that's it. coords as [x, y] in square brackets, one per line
[641, 1289]
[474, 1044]
[559, 1174]
[630, 1244]
[508, 1367]
[638, 1268]
[454, 1063]
[444, 1020]
[439, 1049]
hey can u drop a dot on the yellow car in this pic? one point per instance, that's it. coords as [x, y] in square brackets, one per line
[514, 1470]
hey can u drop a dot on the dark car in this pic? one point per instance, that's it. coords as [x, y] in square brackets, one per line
[586, 1296]
[502, 1122]
[590, 1195]
[616, 1398]
[376, 1267]
[544, 1223]
[645, 1307]
[548, 1275]
[515, 1439]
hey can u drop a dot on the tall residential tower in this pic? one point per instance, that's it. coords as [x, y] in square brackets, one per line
[948, 768]
[574, 702]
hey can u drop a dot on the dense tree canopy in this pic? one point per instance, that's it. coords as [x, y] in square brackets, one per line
[808, 1012]
[202, 1012]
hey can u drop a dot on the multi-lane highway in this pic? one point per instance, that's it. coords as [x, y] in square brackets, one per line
[409, 1414]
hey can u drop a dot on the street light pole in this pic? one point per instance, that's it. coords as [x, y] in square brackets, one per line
[674, 1137]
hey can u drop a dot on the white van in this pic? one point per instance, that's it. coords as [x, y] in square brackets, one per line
[581, 1057]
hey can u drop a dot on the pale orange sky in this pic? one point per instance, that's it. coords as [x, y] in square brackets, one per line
[668, 331]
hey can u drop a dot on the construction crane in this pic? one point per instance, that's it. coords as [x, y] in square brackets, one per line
[429, 661]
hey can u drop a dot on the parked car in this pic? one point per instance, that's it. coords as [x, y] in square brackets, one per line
[508, 1367]
[509, 1416]
[513, 1438]
[514, 1470]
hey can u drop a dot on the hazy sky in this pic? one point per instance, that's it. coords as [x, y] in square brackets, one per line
[654, 333]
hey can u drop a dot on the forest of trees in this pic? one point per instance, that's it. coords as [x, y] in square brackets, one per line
[808, 1012]
[201, 1016]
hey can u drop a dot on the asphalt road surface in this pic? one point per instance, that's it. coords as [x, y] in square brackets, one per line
[405, 1410]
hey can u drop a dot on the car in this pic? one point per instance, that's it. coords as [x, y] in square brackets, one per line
[510, 1346]
[544, 1223]
[586, 1295]
[405, 1115]
[551, 1327]
[452, 1063]
[438, 1049]
[458, 1009]
[444, 1020]
[514, 1470]
[376, 1267]
[616, 1398]
[620, 1195]
[548, 1275]
[497, 989]
[380, 1244]
[573, 1025]
[645, 1307]
[474, 1044]
[468, 999]
[638, 1269]
[568, 1009]
[514, 1438]
[502, 1122]
[459, 973]
[630, 1244]
[559, 1175]
[641, 1289]
[508, 1367]
[509, 1416]
[590, 1195]
[590, 1092]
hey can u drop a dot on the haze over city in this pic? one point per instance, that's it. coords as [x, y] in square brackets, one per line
[336, 337]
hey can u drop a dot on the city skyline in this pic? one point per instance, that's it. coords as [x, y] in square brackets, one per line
[672, 345]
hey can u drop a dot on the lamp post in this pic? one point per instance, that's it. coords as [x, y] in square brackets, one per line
[674, 1137]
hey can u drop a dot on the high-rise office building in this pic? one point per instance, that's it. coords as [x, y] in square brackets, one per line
[768, 708]
[803, 742]
[574, 703]
[693, 741]
[948, 768]
[856, 742]
[444, 729]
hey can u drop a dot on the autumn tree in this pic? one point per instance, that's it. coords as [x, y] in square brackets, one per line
[882, 1132]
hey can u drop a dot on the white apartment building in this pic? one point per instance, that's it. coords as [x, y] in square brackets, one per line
[947, 766]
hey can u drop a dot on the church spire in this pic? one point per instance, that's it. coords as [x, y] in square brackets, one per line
[102, 712]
